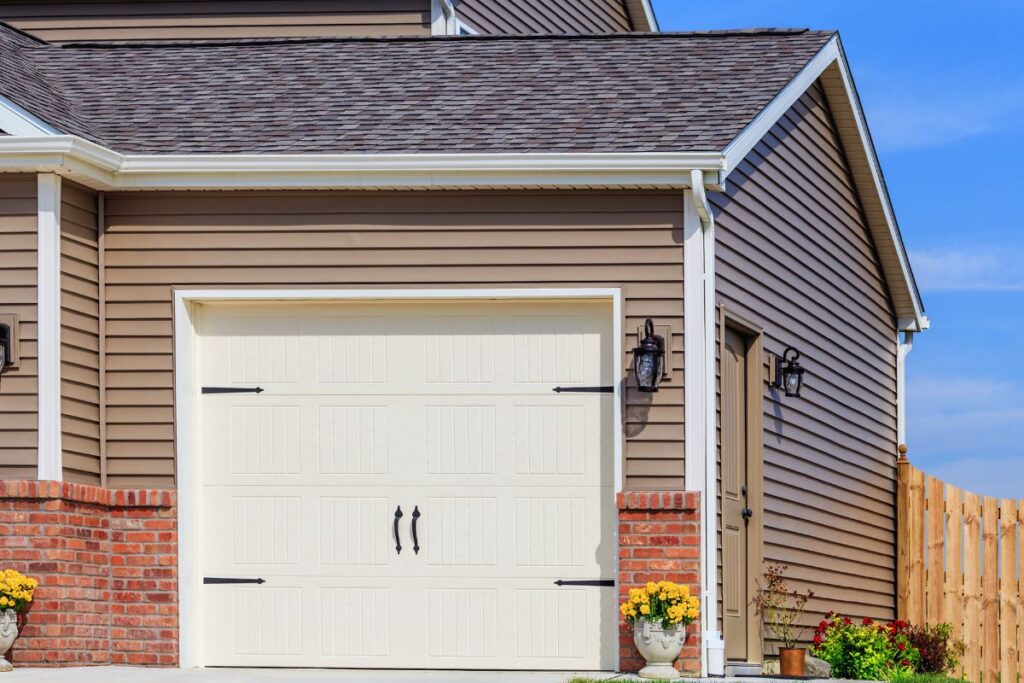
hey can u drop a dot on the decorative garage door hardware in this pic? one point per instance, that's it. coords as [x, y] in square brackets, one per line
[217, 579]
[416, 514]
[398, 539]
[415, 541]
[584, 390]
[232, 390]
[586, 582]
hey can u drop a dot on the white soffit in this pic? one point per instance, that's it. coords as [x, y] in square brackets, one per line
[831, 67]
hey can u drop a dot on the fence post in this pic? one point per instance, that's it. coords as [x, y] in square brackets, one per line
[903, 544]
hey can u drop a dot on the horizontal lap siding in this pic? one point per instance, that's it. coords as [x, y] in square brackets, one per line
[18, 387]
[80, 393]
[545, 16]
[155, 241]
[795, 256]
[213, 19]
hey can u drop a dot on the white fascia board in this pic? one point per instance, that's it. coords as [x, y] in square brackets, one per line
[17, 121]
[652, 20]
[737, 150]
[103, 169]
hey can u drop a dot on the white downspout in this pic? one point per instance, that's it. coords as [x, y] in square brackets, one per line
[714, 645]
[906, 345]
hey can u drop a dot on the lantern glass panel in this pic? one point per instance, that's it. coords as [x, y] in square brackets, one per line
[647, 368]
[793, 382]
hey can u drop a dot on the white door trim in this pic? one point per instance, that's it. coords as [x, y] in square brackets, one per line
[186, 437]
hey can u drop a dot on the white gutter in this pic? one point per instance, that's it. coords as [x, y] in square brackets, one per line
[103, 169]
[700, 401]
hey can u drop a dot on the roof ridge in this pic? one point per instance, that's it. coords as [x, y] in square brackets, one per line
[537, 37]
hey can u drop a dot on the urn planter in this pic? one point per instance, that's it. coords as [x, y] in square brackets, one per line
[8, 633]
[660, 647]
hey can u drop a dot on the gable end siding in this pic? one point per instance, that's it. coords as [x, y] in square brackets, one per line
[19, 387]
[796, 257]
[498, 17]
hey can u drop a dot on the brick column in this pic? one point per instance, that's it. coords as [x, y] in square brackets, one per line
[659, 540]
[106, 561]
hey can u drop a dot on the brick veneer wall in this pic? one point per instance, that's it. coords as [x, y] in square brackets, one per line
[106, 561]
[659, 540]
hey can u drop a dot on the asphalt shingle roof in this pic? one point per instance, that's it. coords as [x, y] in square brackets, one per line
[621, 93]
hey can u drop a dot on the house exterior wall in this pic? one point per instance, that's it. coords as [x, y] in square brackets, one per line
[156, 241]
[545, 16]
[79, 352]
[18, 386]
[795, 257]
[211, 19]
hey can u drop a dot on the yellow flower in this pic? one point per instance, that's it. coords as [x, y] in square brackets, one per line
[645, 609]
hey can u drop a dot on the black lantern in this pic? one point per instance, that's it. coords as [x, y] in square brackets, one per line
[5, 346]
[649, 359]
[789, 376]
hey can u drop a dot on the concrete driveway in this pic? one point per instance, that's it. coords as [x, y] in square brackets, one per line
[114, 674]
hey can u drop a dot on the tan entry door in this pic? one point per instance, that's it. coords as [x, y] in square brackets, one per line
[444, 412]
[735, 510]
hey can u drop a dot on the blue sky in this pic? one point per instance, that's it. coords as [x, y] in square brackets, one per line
[943, 87]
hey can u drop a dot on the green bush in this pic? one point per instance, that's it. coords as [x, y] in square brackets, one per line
[865, 650]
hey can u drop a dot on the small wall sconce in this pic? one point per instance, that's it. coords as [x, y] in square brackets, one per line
[788, 375]
[649, 359]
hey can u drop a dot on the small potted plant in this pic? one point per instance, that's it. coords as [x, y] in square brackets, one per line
[660, 613]
[15, 595]
[781, 611]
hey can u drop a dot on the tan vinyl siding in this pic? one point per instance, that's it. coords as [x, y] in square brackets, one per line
[795, 256]
[79, 359]
[155, 241]
[87, 20]
[545, 16]
[18, 387]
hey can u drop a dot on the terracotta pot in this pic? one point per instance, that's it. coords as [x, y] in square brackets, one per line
[791, 661]
[660, 647]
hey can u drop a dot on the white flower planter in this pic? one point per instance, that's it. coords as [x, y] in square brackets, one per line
[8, 633]
[660, 647]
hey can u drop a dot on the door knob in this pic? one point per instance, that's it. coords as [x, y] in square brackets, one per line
[747, 513]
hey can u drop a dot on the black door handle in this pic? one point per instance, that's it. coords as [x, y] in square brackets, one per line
[415, 541]
[747, 513]
[398, 539]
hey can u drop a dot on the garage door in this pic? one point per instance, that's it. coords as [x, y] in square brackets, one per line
[406, 485]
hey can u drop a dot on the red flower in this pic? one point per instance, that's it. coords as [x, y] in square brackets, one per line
[866, 621]
[818, 639]
[901, 646]
[847, 621]
[905, 662]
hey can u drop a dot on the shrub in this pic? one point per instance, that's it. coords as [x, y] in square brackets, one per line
[781, 609]
[866, 650]
[939, 652]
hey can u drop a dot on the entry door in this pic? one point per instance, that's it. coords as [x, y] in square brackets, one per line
[408, 485]
[736, 512]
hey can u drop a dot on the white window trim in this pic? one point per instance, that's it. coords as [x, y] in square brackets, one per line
[50, 456]
[187, 438]
[17, 121]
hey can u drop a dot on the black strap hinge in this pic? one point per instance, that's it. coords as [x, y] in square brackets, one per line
[219, 580]
[584, 390]
[232, 390]
[585, 582]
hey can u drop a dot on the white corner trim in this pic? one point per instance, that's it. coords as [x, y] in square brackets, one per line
[442, 18]
[48, 311]
[736, 150]
[15, 120]
[104, 169]
[186, 427]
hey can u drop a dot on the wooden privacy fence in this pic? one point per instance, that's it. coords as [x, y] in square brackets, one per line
[960, 558]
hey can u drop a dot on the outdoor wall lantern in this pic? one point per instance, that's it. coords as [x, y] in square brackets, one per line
[5, 346]
[789, 376]
[649, 359]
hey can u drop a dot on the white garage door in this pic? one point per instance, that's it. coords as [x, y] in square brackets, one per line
[445, 411]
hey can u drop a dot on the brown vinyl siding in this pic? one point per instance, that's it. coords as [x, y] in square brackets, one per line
[155, 241]
[216, 19]
[18, 387]
[796, 257]
[545, 16]
[79, 353]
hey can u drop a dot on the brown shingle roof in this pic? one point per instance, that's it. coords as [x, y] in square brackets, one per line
[622, 93]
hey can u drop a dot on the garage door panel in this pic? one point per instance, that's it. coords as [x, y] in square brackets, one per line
[446, 409]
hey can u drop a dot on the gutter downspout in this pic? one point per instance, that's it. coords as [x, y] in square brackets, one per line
[714, 645]
[906, 345]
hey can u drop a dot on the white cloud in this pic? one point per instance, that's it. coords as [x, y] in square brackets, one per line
[977, 268]
[907, 113]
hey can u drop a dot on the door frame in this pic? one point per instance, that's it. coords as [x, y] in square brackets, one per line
[755, 372]
[186, 435]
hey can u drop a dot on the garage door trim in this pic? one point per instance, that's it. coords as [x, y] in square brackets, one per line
[186, 391]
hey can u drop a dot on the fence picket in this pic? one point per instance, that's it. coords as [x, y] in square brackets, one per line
[972, 587]
[990, 588]
[1007, 590]
[915, 521]
[953, 609]
[1020, 585]
[936, 548]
